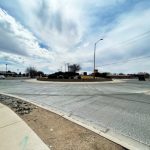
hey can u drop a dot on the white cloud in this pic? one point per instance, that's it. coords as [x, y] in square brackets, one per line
[70, 28]
[17, 42]
[128, 39]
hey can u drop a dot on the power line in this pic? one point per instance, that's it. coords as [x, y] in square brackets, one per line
[125, 61]
[131, 40]
[137, 37]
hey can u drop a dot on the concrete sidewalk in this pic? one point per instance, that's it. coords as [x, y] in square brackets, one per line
[16, 134]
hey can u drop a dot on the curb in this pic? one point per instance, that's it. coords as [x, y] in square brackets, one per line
[57, 82]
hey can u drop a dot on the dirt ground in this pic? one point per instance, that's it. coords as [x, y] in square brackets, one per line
[57, 132]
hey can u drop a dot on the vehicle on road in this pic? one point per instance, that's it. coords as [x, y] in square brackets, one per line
[2, 77]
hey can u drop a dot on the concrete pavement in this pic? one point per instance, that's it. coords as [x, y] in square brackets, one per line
[15, 134]
[118, 111]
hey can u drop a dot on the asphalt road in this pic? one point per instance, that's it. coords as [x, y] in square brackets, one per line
[122, 108]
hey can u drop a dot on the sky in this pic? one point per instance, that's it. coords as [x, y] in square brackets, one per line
[47, 34]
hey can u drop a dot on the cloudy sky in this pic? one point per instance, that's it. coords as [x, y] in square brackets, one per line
[47, 34]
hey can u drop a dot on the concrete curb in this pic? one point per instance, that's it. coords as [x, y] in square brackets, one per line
[50, 82]
[117, 138]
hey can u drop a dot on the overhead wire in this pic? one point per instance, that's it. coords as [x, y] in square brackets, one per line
[125, 61]
[129, 41]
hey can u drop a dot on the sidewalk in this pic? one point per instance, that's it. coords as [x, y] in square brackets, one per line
[15, 133]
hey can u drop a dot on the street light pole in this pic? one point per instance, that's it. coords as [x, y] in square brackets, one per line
[6, 69]
[94, 55]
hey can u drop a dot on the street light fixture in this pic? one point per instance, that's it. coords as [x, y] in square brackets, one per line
[94, 54]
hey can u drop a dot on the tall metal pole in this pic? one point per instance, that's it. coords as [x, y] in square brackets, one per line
[94, 58]
[6, 69]
[94, 55]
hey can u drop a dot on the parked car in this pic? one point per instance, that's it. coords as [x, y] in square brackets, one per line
[2, 77]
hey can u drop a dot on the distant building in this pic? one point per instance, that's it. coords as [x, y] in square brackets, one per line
[117, 76]
[8, 73]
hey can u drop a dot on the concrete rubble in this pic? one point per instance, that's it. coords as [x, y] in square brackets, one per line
[19, 106]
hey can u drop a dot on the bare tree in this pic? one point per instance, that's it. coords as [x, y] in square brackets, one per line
[74, 68]
[31, 71]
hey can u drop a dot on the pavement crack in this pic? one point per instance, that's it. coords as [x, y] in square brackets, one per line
[10, 124]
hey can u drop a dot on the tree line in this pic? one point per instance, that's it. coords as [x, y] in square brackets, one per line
[33, 72]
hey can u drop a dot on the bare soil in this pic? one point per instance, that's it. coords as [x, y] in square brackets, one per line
[57, 132]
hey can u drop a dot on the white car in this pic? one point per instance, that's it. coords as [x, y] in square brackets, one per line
[2, 77]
